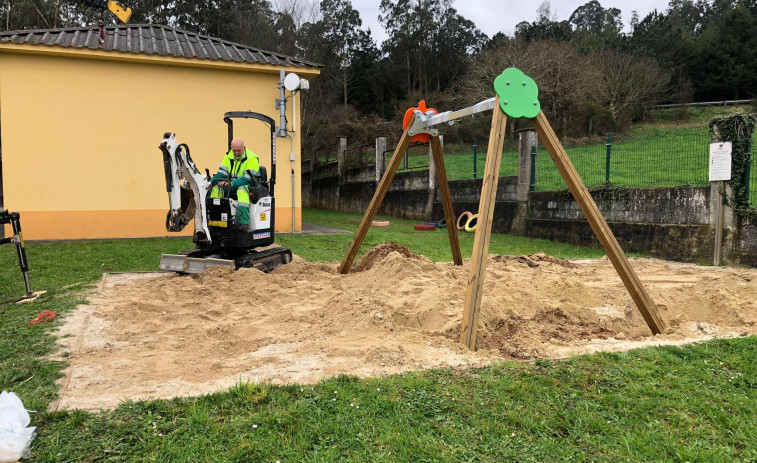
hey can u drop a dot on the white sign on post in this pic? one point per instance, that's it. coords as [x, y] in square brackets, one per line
[720, 161]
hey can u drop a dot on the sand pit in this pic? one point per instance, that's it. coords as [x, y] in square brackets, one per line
[163, 335]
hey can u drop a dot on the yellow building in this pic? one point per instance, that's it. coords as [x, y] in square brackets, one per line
[80, 124]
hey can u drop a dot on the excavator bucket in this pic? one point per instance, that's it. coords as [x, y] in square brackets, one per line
[121, 12]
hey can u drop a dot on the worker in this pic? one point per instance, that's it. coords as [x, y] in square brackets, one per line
[239, 169]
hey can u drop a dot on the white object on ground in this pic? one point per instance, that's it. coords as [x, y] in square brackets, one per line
[15, 435]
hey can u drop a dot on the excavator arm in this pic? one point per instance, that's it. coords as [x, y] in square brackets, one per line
[121, 12]
[187, 199]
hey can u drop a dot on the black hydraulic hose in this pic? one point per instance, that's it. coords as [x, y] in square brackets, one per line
[167, 167]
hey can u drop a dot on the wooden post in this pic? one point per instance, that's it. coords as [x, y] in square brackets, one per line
[526, 140]
[473, 292]
[378, 197]
[598, 224]
[446, 196]
[717, 193]
[432, 180]
[380, 149]
[340, 159]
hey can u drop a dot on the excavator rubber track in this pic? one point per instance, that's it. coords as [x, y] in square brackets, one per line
[265, 260]
[196, 261]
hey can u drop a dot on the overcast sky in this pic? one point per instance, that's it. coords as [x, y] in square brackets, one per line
[492, 16]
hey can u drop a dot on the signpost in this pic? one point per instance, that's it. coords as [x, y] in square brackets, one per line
[720, 171]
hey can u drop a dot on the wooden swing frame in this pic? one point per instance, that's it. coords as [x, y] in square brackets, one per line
[477, 272]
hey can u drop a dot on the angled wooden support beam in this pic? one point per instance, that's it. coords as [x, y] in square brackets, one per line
[378, 198]
[475, 288]
[598, 224]
[444, 192]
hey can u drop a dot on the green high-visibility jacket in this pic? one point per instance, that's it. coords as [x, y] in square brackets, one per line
[238, 172]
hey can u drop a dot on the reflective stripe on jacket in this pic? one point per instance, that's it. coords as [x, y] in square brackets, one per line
[239, 172]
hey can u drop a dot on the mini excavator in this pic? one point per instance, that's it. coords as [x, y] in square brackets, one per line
[220, 240]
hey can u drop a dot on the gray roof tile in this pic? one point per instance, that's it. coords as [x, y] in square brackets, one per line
[152, 39]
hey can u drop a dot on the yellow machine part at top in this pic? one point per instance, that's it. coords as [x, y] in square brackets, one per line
[122, 13]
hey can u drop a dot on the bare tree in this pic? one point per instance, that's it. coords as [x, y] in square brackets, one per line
[564, 76]
[628, 84]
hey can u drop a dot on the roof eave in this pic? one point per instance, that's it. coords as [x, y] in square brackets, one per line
[88, 53]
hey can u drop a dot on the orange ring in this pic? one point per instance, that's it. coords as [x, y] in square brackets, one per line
[380, 223]
[467, 215]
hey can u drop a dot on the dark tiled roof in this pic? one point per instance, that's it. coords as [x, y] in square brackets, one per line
[152, 39]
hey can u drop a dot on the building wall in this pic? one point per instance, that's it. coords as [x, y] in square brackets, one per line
[80, 139]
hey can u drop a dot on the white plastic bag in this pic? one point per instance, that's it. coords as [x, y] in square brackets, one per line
[15, 435]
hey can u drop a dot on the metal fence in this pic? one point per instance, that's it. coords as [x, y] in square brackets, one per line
[360, 155]
[670, 158]
[666, 158]
[416, 158]
[468, 161]
[322, 155]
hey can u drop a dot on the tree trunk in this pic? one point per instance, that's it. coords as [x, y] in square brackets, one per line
[57, 10]
[344, 83]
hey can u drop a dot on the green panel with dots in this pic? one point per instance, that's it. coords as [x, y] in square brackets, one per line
[518, 94]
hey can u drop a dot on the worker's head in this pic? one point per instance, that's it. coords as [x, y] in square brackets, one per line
[237, 147]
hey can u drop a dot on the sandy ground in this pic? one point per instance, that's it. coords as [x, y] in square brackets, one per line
[163, 335]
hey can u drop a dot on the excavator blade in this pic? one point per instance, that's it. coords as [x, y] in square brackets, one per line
[185, 264]
[265, 261]
[121, 12]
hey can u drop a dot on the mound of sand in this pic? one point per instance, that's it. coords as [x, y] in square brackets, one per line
[163, 335]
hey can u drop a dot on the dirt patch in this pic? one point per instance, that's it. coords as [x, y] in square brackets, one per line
[378, 253]
[162, 335]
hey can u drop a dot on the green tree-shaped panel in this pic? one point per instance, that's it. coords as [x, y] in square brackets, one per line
[518, 94]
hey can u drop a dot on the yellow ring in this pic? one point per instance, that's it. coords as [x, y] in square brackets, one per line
[472, 218]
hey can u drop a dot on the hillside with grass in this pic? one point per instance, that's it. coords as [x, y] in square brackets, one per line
[666, 150]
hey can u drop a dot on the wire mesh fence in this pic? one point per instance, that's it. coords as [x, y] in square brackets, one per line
[661, 158]
[468, 160]
[673, 158]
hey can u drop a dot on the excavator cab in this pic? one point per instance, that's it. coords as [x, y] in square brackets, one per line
[222, 212]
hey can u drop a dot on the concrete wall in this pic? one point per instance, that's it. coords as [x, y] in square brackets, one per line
[745, 248]
[465, 197]
[683, 205]
[670, 223]
[80, 135]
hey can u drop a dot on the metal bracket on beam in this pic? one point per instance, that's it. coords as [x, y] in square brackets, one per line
[419, 124]
[453, 116]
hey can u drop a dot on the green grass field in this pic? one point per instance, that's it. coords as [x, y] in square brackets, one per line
[695, 403]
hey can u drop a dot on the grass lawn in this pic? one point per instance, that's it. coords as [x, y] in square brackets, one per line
[696, 403]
